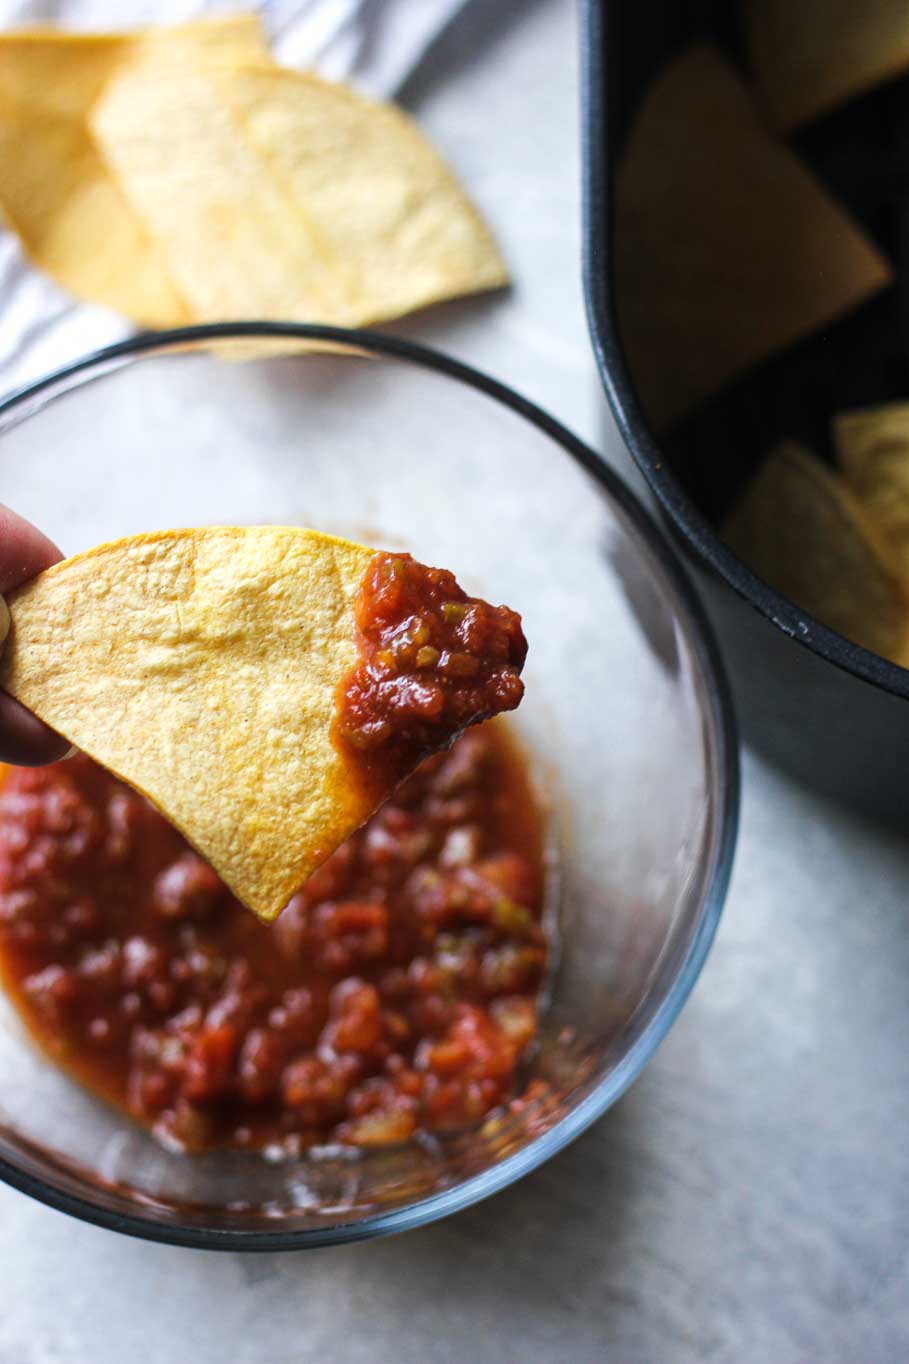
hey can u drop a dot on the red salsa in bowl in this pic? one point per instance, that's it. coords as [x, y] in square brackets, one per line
[396, 994]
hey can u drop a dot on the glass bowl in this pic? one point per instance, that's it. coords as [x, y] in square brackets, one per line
[626, 716]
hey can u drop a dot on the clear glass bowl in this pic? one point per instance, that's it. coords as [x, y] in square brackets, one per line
[626, 715]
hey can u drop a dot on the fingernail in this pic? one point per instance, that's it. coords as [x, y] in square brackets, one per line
[4, 620]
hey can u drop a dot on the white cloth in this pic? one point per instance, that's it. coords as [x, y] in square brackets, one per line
[373, 43]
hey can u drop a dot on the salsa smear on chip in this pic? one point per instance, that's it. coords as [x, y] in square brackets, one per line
[432, 662]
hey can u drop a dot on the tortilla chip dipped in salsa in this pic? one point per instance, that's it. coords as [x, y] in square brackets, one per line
[265, 687]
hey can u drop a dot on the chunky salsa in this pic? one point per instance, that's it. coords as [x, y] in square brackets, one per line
[432, 662]
[396, 993]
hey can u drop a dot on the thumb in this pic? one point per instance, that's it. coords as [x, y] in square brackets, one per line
[24, 551]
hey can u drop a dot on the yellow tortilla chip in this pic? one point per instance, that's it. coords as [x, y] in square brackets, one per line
[236, 245]
[201, 667]
[799, 527]
[386, 208]
[808, 56]
[55, 189]
[727, 248]
[291, 198]
[62, 72]
[872, 446]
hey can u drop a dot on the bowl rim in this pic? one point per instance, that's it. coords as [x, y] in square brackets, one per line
[599, 76]
[718, 710]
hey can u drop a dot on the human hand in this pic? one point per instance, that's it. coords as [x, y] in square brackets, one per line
[24, 551]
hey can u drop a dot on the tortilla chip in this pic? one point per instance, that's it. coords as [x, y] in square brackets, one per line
[808, 56]
[236, 244]
[872, 446]
[291, 198]
[799, 527]
[382, 202]
[55, 189]
[727, 248]
[201, 667]
[62, 73]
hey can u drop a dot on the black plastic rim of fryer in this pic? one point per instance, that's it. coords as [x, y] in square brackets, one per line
[718, 702]
[689, 524]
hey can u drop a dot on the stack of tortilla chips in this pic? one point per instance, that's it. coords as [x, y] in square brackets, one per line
[179, 175]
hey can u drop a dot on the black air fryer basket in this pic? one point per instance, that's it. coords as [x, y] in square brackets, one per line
[823, 708]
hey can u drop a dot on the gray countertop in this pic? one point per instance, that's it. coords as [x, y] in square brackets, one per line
[748, 1200]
